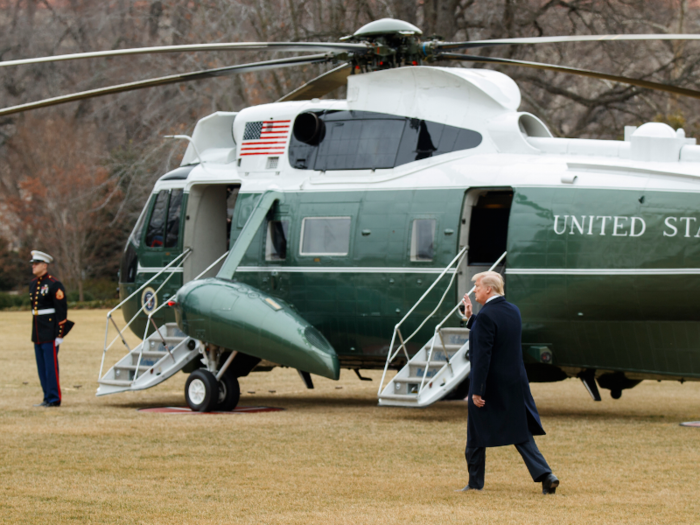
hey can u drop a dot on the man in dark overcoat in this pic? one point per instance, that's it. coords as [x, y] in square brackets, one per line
[500, 406]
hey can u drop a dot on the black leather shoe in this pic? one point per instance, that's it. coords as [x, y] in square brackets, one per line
[54, 404]
[467, 489]
[550, 484]
[42, 404]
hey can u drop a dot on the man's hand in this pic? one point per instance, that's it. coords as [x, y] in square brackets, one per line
[58, 341]
[478, 401]
[467, 306]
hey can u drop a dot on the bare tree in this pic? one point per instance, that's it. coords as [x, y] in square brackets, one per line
[60, 197]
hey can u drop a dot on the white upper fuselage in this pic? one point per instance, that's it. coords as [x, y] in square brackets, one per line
[516, 149]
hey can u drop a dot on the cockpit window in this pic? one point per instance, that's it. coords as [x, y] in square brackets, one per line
[135, 237]
[354, 140]
[172, 229]
[154, 233]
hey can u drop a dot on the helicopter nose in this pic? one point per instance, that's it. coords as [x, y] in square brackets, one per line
[240, 317]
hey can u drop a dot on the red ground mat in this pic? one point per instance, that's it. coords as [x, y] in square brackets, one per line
[691, 424]
[187, 410]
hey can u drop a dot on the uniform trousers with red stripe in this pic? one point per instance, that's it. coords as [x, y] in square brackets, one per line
[47, 366]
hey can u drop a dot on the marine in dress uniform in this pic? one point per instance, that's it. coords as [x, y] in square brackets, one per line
[500, 405]
[49, 311]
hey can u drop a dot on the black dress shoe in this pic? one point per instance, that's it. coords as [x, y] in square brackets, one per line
[550, 484]
[54, 404]
[42, 404]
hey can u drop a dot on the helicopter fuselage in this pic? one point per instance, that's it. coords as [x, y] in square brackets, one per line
[381, 191]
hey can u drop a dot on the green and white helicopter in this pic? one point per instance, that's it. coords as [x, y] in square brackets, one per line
[327, 234]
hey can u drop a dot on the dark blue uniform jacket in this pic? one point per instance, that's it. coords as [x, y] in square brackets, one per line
[48, 294]
[498, 376]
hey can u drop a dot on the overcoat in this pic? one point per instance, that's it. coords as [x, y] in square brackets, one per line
[498, 376]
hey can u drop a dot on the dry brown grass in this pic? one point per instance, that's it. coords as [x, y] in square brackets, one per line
[332, 456]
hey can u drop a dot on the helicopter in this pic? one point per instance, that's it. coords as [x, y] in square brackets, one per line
[303, 233]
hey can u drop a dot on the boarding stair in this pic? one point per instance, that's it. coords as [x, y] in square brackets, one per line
[160, 354]
[168, 350]
[440, 366]
[163, 353]
[435, 370]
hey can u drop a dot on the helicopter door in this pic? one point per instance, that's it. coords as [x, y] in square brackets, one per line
[209, 211]
[484, 229]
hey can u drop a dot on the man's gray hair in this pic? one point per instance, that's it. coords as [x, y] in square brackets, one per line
[492, 279]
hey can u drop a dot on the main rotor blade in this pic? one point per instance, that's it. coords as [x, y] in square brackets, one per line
[320, 85]
[238, 46]
[559, 40]
[574, 71]
[171, 79]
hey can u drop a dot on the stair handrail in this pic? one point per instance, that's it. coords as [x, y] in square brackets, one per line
[180, 259]
[437, 333]
[150, 319]
[391, 355]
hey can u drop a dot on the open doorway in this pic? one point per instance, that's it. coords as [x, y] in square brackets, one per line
[484, 229]
[208, 226]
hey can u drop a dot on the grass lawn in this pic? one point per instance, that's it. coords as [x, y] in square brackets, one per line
[332, 456]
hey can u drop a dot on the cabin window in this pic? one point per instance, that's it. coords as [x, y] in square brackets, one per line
[423, 139]
[423, 240]
[276, 241]
[172, 229]
[355, 140]
[154, 233]
[325, 236]
[359, 144]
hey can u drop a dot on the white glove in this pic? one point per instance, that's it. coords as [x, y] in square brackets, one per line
[59, 340]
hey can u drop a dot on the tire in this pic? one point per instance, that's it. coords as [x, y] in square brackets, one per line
[229, 393]
[201, 391]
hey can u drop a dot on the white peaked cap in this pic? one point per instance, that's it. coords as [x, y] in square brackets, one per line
[38, 256]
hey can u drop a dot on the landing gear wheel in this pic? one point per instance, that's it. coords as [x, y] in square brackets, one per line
[229, 393]
[201, 391]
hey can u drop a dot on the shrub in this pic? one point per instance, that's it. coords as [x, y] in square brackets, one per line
[73, 296]
[13, 300]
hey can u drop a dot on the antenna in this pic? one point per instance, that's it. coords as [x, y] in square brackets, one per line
[191, 141]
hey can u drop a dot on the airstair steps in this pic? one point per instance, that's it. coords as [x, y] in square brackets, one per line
[431, 364]
[411, 379]
[151, 362]
[133, 367]
[446, 359]
[409, 398]
[115, 382]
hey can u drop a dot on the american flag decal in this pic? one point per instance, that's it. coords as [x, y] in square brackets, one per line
[265, 137]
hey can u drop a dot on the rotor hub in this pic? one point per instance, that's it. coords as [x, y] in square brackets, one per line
[392, 43]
